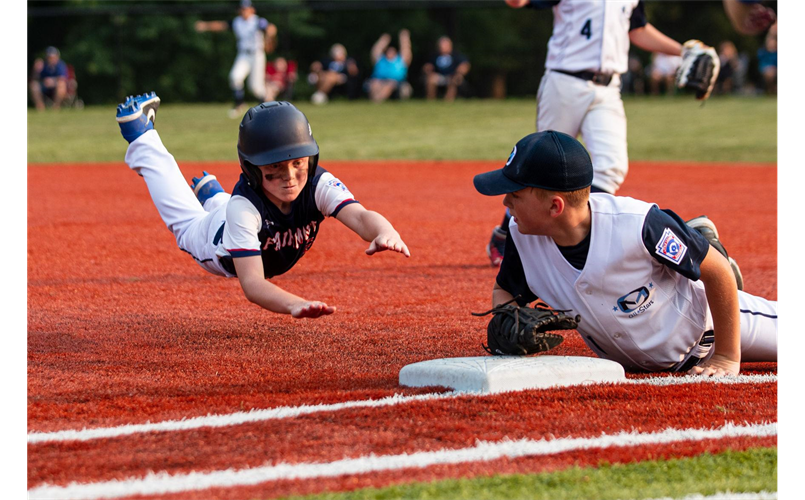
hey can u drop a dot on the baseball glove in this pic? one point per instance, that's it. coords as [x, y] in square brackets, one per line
[699, 69]
[524, 330]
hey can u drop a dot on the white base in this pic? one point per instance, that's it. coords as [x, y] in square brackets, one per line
[492, 374]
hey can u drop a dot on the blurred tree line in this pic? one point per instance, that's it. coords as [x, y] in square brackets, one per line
[121, 47]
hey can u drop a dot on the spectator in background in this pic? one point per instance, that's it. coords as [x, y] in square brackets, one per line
[446, 68]
[663, 73]
[49, 80]
[767, 61]
[255, 36]
[280, 78]
[391, 68]
[334, 73]
[730, 68]
[633, 81]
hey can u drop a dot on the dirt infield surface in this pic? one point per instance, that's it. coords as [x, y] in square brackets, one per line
[124, 328]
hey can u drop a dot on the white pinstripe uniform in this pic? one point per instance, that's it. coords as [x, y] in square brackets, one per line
[590, 37]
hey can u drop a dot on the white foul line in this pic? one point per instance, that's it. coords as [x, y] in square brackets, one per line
[728, 495]
[164, 483]
[282, 412]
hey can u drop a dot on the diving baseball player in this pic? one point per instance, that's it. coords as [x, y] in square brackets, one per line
[254, 35]
[654, 293]
[272, 217]
[580, 89]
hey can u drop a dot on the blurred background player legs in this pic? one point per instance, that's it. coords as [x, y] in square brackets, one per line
[251, 66]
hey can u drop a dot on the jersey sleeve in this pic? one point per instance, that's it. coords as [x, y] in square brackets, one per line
[332, 195]
[242, 227]
[673, 243]
[638, 19]
[263, 23]
[511, 276]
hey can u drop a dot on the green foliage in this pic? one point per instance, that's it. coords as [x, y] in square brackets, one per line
[117, 47]
[752, 470]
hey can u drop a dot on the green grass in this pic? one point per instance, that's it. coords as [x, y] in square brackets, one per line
[752, 470]
[676, 128]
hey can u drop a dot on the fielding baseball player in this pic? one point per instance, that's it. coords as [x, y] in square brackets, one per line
[254, 35]
[580, 89]
[272, 217]
[652, 292]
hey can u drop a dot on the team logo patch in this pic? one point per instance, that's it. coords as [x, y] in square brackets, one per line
[671, 247]
[335, 183]
[511, 156]
[633, 299]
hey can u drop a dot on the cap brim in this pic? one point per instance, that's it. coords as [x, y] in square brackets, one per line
[495, 183]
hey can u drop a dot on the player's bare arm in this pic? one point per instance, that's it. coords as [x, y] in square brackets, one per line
[517, 3]
[722, 297]
[379, 46]
[653, 40]
[405, 46]
[271, 297]
[500, 295]
[374, 228]
[215, 26]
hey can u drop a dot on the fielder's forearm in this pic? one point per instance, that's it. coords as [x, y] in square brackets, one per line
[722, 297]
[500, 296]
[651, 39]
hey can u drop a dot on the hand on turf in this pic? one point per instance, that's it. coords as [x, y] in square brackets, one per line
[312, 309]
[391, 242]
[717, 366]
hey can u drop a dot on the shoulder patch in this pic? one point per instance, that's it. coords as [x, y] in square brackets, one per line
[335, 183]
[671, 247]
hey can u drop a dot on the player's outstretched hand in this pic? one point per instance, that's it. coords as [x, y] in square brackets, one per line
[388, 242]
[312, 309]
[717, 366]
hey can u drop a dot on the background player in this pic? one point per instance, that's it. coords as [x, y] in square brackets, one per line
[255, 36]
[580, 90]
[654, 293]
[272, 217]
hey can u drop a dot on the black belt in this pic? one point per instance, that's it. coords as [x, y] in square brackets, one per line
[707, 339]
[591, 76]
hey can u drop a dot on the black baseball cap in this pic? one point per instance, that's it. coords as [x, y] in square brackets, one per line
[547, 160]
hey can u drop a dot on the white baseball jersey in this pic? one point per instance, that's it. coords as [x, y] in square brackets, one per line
[592, 35]
[635, 310]
[250, 33]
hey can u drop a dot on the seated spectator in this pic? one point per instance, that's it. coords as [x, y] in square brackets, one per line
[730, 68]
[280, 78]
[767, 61]
[333, 74]
[663, 72]
[447, 68]
[633, 81]
[49, 80]
[391, 68]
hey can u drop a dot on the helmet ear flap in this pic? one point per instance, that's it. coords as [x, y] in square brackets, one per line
[253, 174]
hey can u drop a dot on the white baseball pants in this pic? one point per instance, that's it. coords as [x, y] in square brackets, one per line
[574, 106]
[193, 226]
[252, 65]
[758, 328]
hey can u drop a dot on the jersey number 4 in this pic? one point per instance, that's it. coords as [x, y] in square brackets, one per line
[587, 30]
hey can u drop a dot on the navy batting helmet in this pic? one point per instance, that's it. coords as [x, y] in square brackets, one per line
[272, 132]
